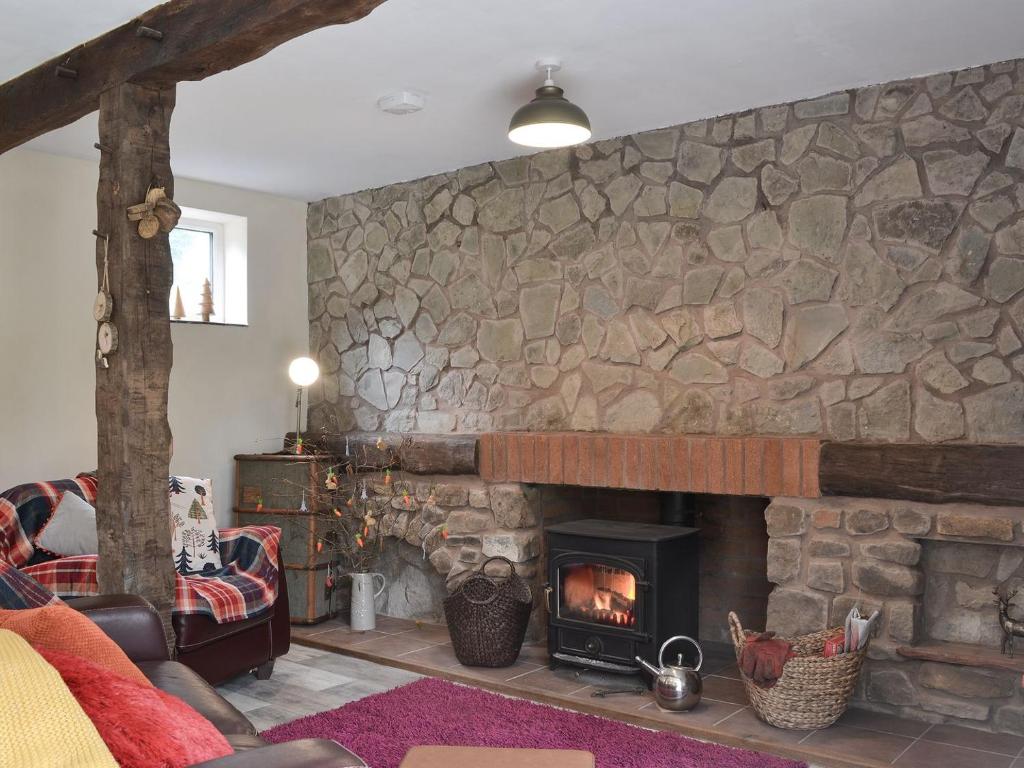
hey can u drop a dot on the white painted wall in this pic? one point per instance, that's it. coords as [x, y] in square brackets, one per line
[230, 391]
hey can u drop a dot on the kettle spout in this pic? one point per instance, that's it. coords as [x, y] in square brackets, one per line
[648, 666]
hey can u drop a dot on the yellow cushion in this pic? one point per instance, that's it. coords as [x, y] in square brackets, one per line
[41, 724]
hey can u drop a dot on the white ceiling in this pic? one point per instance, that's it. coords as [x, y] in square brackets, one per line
[302, 121]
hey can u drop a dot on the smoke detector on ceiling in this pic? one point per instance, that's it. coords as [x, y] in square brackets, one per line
[401, 103]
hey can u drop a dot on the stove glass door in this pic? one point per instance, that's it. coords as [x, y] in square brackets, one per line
[598, 594]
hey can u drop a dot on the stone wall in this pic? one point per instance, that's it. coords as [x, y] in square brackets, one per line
[826, 555]
[847, 266]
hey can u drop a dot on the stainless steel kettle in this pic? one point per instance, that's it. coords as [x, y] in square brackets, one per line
[677, 687]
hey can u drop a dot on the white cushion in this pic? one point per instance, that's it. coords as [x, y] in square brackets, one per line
[194, 538]
[71, 529]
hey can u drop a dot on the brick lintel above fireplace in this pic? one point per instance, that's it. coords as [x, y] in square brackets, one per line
[757, 466]
[750, 466]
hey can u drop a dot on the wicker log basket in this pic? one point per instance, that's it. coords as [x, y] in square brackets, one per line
[487, 617]
[813, 690]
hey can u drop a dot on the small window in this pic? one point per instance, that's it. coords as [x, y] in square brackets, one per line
[208, 250]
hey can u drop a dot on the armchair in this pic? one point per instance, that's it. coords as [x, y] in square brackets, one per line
[226, 623]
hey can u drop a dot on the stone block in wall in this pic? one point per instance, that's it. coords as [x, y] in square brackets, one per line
[887, 579]
[514, 506]
[891, 686]
[967, 682]
[911, 522]
[517, 546]
[951, 706]
[478, 498]
[965, 559]
[902, 621]
[431, 513]
[442, 560]
[826, 575]
[975, 527]
[861, 522]
[828, 548]
[827, 518]
[783, 560]
[792, 612]
[899, 552]
[445, 494]
[785, 520]
[469, 521]
[463, 540]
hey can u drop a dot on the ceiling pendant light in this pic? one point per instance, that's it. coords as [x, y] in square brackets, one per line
[550, 120]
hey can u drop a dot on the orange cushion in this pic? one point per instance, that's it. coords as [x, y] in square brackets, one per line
[62, 628]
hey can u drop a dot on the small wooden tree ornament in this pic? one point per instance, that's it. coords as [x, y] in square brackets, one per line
[206, 305]
[179, 307]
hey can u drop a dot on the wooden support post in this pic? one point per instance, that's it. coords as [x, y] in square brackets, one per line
[134, 438]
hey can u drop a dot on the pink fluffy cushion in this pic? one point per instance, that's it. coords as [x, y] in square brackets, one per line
[142, 726]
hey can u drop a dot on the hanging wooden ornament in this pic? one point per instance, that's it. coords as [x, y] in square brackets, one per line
[167, 213]
[157, 214]
[149, 226]
[103, 307]
[106, 338]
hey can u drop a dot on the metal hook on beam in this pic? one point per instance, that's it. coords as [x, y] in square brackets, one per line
[97, 233]
[102, 147]
[149, 32]
[68, 73]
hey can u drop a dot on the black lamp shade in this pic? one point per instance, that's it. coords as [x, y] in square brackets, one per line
[549, 120]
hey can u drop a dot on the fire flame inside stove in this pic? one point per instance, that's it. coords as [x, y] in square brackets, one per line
[598, 594]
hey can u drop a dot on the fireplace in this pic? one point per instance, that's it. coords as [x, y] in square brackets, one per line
[618, 589]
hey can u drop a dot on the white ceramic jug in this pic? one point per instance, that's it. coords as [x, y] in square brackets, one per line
[364, 613]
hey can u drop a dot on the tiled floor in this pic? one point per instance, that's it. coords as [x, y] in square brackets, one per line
[311, 679]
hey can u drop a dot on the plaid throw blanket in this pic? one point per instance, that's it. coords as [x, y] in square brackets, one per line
[18, 591]
[245, 587]
[24, 509]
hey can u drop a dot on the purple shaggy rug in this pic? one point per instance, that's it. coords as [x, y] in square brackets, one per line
[382, 728]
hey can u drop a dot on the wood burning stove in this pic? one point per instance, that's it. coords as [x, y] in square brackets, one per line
[617, 590]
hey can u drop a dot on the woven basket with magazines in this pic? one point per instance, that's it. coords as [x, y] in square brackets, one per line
[813, 690]
[487, 617]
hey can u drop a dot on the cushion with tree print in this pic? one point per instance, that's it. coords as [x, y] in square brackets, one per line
[194, 538]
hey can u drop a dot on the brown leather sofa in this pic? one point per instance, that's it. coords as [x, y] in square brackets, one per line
[135, 626]
[219, 652]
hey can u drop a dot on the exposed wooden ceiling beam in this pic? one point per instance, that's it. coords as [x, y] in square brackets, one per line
[179, 40]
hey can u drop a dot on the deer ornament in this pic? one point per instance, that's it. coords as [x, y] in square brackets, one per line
[1011, 627]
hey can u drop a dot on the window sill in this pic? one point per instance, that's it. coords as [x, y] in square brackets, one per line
[213, 325]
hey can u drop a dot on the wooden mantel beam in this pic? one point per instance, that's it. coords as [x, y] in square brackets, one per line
[177, 41]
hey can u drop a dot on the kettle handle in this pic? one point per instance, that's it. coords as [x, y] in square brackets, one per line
[667, 643]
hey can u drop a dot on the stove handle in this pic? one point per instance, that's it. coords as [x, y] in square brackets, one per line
[548, 589]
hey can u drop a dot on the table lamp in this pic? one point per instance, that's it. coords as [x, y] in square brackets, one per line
[303, 371]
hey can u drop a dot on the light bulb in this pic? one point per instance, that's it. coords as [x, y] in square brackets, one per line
[303, 371]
